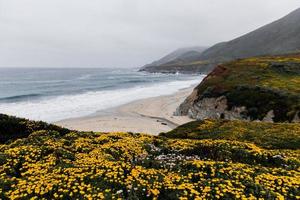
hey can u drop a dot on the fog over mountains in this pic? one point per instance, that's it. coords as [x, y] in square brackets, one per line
[179, 54]
[279, 37]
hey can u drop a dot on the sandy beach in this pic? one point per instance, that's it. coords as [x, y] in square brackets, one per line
[151, 115]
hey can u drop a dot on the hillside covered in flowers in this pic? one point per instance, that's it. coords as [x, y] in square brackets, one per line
[230, 162]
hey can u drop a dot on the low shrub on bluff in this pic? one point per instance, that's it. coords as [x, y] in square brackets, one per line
[266, 135]
[13, 127]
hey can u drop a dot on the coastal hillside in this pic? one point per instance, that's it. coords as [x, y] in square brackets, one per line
[279, 37]
[200, 160]
[177, 54]
[258, 88]
[12, 128]
[174, 61]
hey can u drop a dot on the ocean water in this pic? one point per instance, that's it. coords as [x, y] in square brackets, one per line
[56, 94]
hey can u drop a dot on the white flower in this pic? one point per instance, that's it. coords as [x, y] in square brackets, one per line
[119, 191]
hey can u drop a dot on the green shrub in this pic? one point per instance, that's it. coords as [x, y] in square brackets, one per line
[12, 128]
[266, 135]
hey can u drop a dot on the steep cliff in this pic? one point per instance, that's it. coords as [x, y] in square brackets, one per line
[261, 88]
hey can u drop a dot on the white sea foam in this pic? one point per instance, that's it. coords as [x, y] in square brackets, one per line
[70, 106]
[84, 77]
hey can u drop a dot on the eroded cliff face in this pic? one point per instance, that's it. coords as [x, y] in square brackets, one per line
[211, 108]
[297, 118]
[217, 108]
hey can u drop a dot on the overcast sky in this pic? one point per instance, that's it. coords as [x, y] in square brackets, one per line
[122, 33]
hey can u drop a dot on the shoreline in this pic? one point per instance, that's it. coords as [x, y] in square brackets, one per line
[151, 115]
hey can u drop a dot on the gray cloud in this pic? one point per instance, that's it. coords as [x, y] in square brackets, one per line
[119, 33]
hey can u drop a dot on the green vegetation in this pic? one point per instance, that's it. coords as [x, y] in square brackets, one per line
[265, 135]
[13, 128]
[185, 67]
[260, 84]
[255, 161]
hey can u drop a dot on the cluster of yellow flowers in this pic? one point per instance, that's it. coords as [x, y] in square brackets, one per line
[137, 166]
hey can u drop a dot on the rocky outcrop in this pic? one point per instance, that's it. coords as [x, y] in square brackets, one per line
[217, 108]
[256, 89]
[269, 117]
[212, 108]
[297, 118]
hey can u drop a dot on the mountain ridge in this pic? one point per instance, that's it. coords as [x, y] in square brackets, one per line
[276, 38]
[175, 54]
[182, 54]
